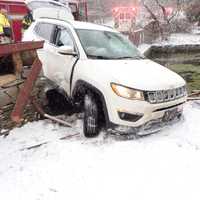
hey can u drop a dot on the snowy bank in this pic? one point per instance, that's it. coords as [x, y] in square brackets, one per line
[143, 48]
[182, 39]
[177, 39]
[161, 166]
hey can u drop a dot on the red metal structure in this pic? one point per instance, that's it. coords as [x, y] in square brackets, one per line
[18, 55]
[16, 11]
[124, 17]
[16, 50]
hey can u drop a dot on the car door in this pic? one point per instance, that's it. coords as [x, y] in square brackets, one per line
[61, 66]
[44, 31]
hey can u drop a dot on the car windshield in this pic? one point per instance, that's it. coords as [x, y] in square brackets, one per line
[107, 45]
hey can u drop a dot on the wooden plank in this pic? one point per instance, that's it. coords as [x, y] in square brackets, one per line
[17, 62]
[6, 49]
[5, 79]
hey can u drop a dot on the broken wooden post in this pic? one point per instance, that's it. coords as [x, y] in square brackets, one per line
[15, 57]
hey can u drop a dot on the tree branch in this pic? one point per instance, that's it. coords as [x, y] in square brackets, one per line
[163, 10]
[150, 12]
[154, 17]
[178, 4]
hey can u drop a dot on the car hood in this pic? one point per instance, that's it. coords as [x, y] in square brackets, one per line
[140, 74]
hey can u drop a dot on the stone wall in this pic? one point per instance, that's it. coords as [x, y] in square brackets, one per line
[174, 54]
[8, 96]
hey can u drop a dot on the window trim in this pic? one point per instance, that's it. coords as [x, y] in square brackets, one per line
[58, 29]
[71, 35]
[51, 35]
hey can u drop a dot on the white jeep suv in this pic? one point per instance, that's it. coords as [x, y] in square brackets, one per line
[101, 70]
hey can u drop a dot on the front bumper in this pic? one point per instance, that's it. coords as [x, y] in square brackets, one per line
[154, 116]
[148, 128]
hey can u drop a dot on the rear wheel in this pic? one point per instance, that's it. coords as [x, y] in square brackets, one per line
[91, 112]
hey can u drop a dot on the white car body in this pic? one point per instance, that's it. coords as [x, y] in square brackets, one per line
[49, 9]
[140, 74]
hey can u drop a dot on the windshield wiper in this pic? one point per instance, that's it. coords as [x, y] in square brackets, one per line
[125, 57]
[115, 58]
[98, 57]
[130, 57]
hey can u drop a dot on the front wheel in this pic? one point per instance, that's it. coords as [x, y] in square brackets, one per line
[91, 113]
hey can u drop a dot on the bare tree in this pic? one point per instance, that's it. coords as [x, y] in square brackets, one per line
[161, 17]
[193, 11]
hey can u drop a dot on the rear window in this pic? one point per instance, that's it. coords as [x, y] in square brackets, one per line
[44, 30]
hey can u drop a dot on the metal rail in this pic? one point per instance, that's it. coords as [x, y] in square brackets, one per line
[6, 49]
[15, 51]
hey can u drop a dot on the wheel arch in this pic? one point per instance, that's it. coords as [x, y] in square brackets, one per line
[81, 88]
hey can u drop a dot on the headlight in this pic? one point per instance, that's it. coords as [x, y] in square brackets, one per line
[127, 92]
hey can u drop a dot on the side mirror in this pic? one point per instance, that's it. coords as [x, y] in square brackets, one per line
[67, 50]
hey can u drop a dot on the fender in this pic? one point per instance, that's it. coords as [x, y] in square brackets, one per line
[80, 84]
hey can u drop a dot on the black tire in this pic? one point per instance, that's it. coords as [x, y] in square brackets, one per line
[91, 112]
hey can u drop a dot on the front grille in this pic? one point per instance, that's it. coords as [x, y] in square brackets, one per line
[169, 107]
[162, 96]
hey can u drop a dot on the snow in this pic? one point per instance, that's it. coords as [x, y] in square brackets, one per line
[175, 40]
[160, 166]
[110, 23]
[182, 39]
[144, 47]
[196, 30]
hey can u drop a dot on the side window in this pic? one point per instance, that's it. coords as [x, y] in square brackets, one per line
[63, 37]
[44, 30]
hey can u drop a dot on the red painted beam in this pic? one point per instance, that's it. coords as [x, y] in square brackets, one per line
[25, 92]
[6, 49]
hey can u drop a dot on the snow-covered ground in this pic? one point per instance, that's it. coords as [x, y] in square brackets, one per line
[182, 38]
[176, 39]
[161, 166]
